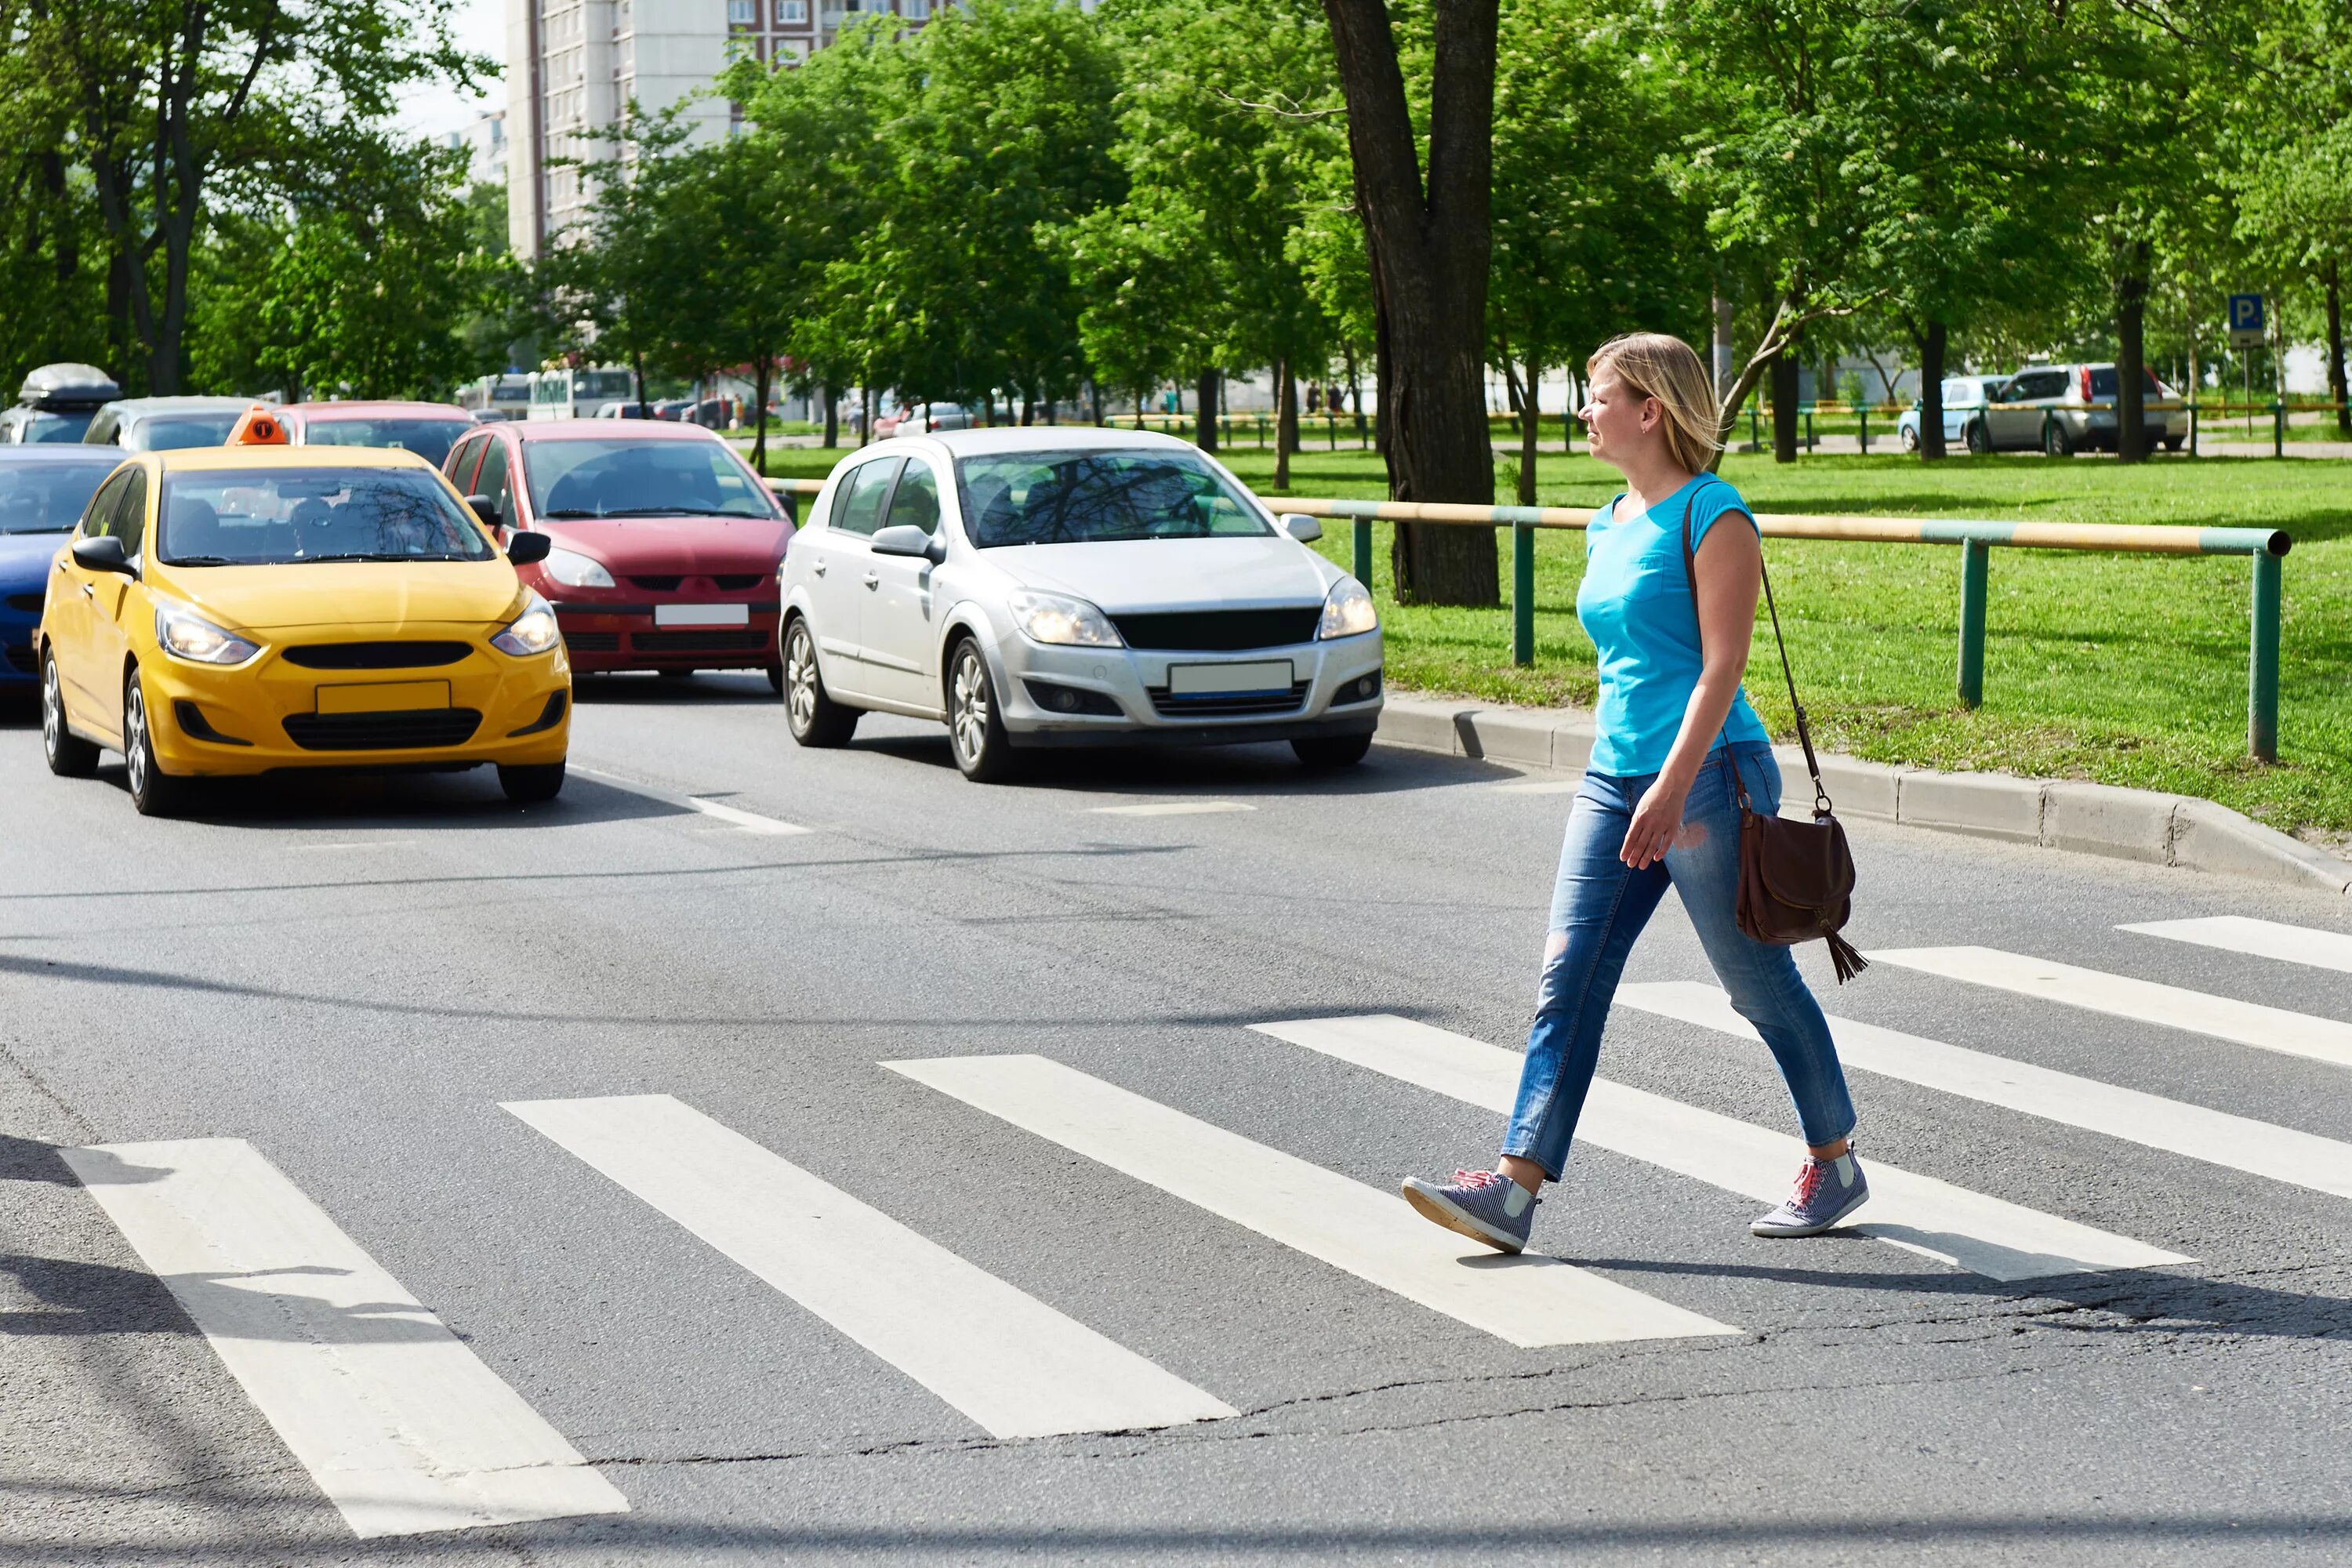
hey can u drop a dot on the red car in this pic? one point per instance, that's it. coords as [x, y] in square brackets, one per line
[665, 543]
[427, 429]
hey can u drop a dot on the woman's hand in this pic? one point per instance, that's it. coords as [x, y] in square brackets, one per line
[1655, 822]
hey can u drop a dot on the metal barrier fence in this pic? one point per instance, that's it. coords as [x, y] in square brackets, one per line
[2265, 547]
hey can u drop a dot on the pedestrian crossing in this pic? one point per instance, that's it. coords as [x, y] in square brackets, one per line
[406, 1430]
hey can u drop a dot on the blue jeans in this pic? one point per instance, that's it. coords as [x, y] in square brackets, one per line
[1600, 904]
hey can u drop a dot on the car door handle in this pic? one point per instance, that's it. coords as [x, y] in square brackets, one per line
[873, 579]
[88, 591]
[818, 568]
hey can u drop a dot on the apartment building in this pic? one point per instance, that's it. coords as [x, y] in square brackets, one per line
[574, 66]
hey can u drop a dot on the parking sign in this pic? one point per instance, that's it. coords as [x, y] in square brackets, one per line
[2245, 320]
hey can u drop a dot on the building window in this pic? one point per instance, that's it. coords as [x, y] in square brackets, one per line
[791, 13]
[915, 10]
[792, 51]
[742, 13]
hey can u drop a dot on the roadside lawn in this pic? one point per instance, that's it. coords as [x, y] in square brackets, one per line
[2125, 669]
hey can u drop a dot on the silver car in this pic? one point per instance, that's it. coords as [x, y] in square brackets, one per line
[2062, 409]
[1059, 587]
[161, 424]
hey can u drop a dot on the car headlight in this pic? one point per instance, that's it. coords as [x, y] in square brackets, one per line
[575, 570]
[1059, 619]
[1347, 610]
[533, 631]
[183, 634]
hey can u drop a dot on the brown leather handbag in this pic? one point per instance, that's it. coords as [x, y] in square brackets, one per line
[1796, 878]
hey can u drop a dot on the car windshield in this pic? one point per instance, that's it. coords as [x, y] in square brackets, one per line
[47, 498]
[40, 424]
[266, 517]
[1098, 497]
[428, 438]
[169, 433]
[639, 477]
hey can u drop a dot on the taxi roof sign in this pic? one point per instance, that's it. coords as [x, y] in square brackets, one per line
[257, 427]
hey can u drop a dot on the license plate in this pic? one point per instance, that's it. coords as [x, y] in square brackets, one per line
[384, 697]
[702, 615]
[1223, 680]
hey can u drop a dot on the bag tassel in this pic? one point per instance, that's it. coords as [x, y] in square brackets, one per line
[1844, 957]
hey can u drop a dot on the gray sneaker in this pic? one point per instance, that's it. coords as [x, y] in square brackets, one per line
[1485, 1206]
[1827, 1191]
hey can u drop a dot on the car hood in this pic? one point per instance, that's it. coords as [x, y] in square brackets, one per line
[24, 558]
[695, 546]
[350, 592]
[1173, 573]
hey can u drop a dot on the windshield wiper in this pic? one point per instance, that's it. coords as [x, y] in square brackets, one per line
[385, 555]
[672, 511]
[572, 511]
[206, 561]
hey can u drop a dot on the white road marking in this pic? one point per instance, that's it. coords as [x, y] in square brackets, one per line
[1373, 1235]
[357, 843]
[1171, 808]
[749, 821]
[1541, 786]
[2144, 1001]
[400, 1424]
[2235, 1142]
[1013, 1364]
[2263, 938]
[1952, 1225]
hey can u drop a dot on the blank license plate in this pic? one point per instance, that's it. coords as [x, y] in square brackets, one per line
[1208, 680]
[702, 615]
[384, 697]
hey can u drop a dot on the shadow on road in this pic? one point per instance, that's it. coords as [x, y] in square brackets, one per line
[1178, 772]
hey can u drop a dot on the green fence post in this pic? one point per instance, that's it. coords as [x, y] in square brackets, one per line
[1975, 556]
[2262, 662]
[1332, 428]
[2278, 429]
[2194, 410]
[1364, 552]
[1862, 412]
[1755, 432]
[1523, 593]
[1809, 430]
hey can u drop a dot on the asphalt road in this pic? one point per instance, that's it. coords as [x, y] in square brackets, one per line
[355, 977]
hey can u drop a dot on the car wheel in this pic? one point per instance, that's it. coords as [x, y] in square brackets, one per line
[1910, 439]
[814, 718]
[1320, 752]
[531, 783]
[2172, 443]
[70, 756]
[2055, 442]
[1980, 439]
[975, 726]
[155, 792]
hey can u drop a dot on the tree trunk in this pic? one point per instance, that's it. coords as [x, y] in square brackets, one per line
[864, 414]
[2335, 378]
[1531, 415]
[1429, 248]
[2131, 354]
[1094, 400]
[638, 367]
[1204, 410]
[1784, 406]
[1285, 422]
[1028, 409]
[764, 372]
[1933, 346]
[832, 417]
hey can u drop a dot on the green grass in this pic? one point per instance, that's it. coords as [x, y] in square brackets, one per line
[2126, 669]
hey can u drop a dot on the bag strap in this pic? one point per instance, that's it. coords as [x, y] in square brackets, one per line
[1690, 570]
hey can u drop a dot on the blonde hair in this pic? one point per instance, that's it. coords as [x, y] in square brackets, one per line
[1657, 364]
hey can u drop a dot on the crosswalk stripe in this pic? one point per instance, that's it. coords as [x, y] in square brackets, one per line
[1984, 1234]
[1171, 808]
[1012, 1363]
[2143, 1001]
[400, 1424]
[1528, 1300]
[2215, 1137]
[2262, 939]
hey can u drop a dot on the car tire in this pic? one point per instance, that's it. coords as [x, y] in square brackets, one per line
[2055, 442]
[2172, 443]
[814, 718]
[70, 756]
[1320, 753]
[1979, 438]
[775, 673]
[1910, 439]
[975, 727]
[155, 792]
[531, 783]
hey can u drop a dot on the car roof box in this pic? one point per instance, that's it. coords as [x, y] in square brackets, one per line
[68, 385]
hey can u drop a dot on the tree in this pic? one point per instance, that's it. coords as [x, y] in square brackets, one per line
[1428, 240]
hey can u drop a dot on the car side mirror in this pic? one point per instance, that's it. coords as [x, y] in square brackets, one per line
[524, 549]
[484, 508]
[103, 554]
[906, 538]
[1301, 527]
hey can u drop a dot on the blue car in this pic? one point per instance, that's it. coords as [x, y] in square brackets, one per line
[43, 489]
[1964, 400]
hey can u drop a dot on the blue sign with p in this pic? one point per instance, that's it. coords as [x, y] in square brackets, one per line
[2245, 312]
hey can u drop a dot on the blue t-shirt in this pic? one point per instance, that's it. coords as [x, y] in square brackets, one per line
[1636, 606]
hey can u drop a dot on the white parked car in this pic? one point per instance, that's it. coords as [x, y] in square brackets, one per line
[1055, 587]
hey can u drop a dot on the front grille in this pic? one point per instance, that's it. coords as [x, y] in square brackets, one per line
[376, 654]
[1219, 631]
[1225, 704]
[593, 642]
[736, 582]
[22, 659]
[30, 603]
[660, 584]
[414, 728]
[697, 642]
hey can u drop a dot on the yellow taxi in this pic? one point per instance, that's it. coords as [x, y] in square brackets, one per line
[238, 609]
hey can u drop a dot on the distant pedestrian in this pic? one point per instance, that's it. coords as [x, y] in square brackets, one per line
[1660, 802]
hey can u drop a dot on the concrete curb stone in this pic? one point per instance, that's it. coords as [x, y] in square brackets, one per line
[2057, 814]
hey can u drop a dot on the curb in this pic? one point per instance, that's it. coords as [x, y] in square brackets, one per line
[2055, 814]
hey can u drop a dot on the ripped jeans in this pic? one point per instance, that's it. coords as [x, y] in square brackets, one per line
[1600, 904]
